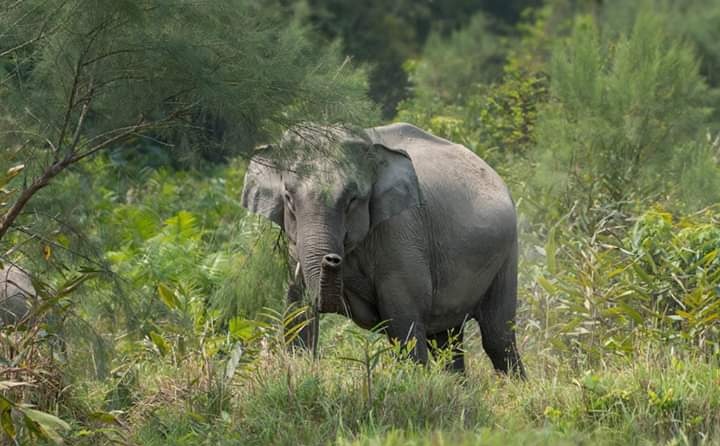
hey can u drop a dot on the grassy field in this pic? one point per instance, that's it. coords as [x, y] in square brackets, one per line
[658, 397]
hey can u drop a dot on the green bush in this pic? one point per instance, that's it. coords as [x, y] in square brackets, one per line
[659, 281]
[695, 20]
[624, 119]
[450, 65]
[187, 231]
[675, 261]
[497, 121]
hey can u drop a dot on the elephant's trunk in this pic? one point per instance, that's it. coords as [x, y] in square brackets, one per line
[320, 253]
[329, 293]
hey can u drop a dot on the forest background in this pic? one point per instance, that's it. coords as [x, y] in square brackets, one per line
[125, 127]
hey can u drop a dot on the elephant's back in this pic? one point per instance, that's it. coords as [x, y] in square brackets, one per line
[446, 169]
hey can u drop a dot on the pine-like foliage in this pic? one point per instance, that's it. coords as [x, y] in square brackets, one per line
[626, 117]
[450, 66]
[75, 74]
[79, 76]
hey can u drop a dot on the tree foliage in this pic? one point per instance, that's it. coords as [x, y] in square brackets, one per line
[488, 101]
[386, 35]
[450, 65]
[81, 77]
[624, 116]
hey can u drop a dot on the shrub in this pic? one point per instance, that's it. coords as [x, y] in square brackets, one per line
[660, 281]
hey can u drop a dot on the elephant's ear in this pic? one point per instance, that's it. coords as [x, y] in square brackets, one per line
[396, 185]
[262, 193]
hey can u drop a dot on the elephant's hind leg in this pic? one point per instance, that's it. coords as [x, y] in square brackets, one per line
[496, 317]
[449, 339]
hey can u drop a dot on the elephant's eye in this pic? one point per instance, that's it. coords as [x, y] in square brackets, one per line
[350, 204]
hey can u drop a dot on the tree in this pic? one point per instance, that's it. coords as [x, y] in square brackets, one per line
[78, 77]
[625, 116]
[450, 66]
[386, 34]
[693, 20]
[481, 89]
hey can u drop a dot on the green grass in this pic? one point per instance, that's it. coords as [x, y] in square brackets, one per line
[660, 397]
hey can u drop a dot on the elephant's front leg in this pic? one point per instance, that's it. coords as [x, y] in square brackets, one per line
[409, 332]
[449, 339]
[402, 305]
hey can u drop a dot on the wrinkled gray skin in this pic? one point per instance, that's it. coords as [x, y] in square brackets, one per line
[16, 295]
[420, 230]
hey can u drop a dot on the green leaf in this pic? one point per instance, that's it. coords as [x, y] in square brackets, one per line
[6, 418]
[159, 342]
[241, 328]
[183, 225]
[104, 417]
[293, 332]
[72, 284]
[707, 320]
[631, 312]
[710, 257]
[547, 285]
[50, 424]
[643, 275]
[168, 296]
[615, 272]
[550, 251]
[45, 419]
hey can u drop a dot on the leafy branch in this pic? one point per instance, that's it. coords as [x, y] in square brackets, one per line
[369, 359]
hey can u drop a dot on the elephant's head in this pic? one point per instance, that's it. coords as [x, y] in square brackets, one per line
[337, 187]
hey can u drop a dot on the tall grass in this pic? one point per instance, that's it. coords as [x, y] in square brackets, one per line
[659, 396]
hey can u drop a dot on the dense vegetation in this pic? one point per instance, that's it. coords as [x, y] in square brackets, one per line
[124, 132]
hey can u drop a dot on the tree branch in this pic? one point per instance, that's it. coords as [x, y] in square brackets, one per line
[40, 35]
[7, 220]
[129, 131]
[81, 119]
[68, 111]
[73, 157]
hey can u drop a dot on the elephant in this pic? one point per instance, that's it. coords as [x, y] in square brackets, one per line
[392, 224]
[17, 295]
